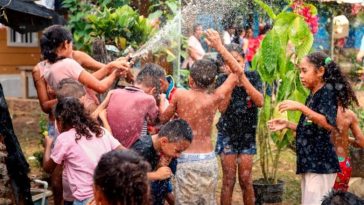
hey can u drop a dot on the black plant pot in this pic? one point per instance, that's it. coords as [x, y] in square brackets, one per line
[268, 193]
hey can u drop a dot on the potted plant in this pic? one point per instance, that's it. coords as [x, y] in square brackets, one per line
[289, 40]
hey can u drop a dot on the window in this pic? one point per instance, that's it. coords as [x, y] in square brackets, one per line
[15, 39]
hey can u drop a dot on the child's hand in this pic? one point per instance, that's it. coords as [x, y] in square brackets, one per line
[164, 161]
[121, 64]
[277, 124]
[163, 173]
[289, 105]
[213, 38]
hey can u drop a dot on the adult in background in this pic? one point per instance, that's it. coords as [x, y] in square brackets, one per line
[195, 49]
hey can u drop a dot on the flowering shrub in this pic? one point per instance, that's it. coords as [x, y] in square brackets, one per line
[309, 12]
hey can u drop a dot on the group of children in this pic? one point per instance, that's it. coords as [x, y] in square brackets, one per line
[125, 149]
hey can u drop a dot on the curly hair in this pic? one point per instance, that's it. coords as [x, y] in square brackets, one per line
[333, 76]
[72, 114]
[122, 177]
[52, 38]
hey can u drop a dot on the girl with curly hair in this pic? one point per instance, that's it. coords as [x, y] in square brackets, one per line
[79, 147]
[317, 162]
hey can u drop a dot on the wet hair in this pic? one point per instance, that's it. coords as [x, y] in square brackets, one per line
[150, 76]
[69, 87]
[122, 177]
[334, 77]
[203, 72]
[235, 47]
[52, 38]
[341, 198]
[176, 130]
[194, 28]
[72, 114]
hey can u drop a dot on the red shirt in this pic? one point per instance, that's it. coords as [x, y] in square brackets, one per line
[127, 112]
[253, 45]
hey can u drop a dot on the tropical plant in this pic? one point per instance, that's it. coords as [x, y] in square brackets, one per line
[284, 45]
[113, 21]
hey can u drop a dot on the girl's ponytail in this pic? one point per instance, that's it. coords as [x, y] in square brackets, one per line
[333, 76]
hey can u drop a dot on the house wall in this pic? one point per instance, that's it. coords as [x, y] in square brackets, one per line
[12, 57]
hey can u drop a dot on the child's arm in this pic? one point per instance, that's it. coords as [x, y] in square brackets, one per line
[355, 129]
[316, 118]
[48, 164]
[224, 104]
[171, 109]
[280, 124]
[86, 61]
[214, 40]
[103, 118]
[41, 86]
[256, 96]
[120, 63]
[160, 174]
[103, 105]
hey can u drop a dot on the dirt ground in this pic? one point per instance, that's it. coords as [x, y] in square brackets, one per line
[27, 131]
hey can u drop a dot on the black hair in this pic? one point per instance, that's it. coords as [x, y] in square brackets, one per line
[150, 76]
[176, 130]
[52, 38]
[122, 177]
[235, 47]
[265, 29]
[341, 198]
[194, 28]
[69, 87]
[333, 76]
[203, 72]
[71, 114]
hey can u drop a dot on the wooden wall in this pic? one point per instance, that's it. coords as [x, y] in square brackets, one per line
[12, 57]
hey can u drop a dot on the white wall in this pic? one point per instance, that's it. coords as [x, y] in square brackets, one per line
[12, 86]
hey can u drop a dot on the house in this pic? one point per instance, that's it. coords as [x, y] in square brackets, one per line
[16, 51]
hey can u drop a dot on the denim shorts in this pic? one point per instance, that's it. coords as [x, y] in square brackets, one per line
[225, 145]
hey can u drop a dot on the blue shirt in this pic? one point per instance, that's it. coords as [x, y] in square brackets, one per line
[315, 152]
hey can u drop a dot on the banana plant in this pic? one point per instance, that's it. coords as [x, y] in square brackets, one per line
[289, 40]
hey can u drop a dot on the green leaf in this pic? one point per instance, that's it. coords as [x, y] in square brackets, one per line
[301, 37]
[271, 51]
[266, 8]
[286, 86]
[267, 107]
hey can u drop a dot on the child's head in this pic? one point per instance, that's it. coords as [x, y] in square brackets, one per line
[175, 137]
[70, 113]
[120, 178]
[318, 67]
[341, 198]
[55, 43]
[197, 30]
[249, 32]
[152, 79]
[237, 52]
[203, 73]
[69, 87]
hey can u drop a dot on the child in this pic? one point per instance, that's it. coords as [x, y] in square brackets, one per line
[236, 131]
[129, 121]
[56, 48]
[346, 120]
[341, 198]
[79, 147]
[198, 107]
[121, 178]
[173, 138]
[316, 158]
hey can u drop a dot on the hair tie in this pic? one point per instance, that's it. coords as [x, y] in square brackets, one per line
[328, 60]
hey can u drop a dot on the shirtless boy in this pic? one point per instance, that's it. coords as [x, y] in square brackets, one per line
[197, 170]
[346, 121]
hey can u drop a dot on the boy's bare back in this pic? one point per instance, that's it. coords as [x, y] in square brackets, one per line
[198, 108]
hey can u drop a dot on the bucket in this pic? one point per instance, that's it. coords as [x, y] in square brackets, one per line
[268, 193]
